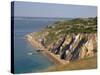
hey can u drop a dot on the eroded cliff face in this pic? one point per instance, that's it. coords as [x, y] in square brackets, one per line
[68, 47]
[89, 49]
[75, 46]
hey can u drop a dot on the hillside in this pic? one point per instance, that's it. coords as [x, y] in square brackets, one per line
[73, 41]
[78, 25]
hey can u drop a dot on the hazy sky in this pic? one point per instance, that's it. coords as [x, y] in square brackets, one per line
[30, 9]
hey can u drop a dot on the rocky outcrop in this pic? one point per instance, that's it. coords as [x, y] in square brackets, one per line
[79, 46]
[57, 46]
[90, 47]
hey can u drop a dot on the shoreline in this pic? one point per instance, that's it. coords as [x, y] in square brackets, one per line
[54, 58]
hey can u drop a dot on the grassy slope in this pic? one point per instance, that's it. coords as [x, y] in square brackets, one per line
[87, 63]
[70, 26]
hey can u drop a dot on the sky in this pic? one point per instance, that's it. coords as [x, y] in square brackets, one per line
[31, 9]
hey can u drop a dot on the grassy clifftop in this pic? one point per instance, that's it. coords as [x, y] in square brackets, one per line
[84, 25]
[78, 25]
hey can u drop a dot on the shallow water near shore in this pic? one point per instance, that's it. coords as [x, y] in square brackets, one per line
[26, 59]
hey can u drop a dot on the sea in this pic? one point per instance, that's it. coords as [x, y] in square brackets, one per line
[24, 61]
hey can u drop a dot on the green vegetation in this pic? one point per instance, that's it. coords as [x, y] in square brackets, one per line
[78, 25]
[82, 25]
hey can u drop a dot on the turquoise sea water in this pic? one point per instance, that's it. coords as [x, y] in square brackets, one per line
[23, 62]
